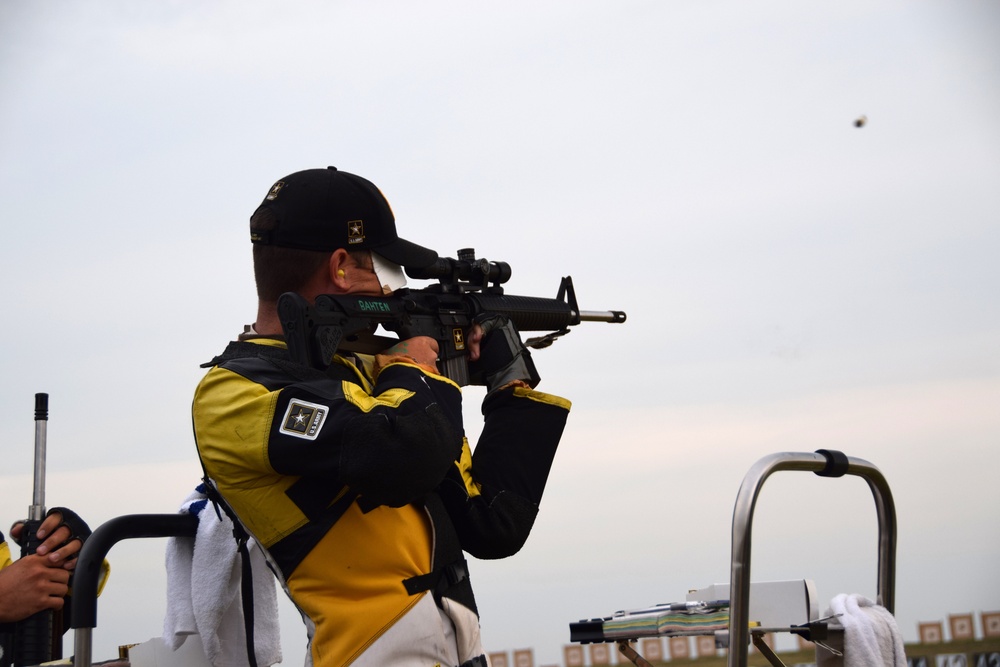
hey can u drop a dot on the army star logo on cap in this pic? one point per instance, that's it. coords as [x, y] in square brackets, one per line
[355, 232]
[275, 189]
[303, 420]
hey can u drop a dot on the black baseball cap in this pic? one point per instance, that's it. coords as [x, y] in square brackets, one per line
[327, 209]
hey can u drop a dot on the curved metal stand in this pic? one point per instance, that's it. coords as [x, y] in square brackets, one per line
[88, 568]
[827, 464]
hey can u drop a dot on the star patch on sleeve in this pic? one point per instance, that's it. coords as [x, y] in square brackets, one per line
[303, 419]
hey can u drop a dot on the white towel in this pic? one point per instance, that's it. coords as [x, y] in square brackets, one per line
[203, 591]
[871, 636]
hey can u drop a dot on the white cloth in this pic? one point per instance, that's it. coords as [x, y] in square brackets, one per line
[203, 591]
[871, 636]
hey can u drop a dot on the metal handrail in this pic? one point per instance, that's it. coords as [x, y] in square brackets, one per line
[827, 463]
[88, 569]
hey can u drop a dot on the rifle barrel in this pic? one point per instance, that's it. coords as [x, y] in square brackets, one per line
[612, 316]
[37, 510]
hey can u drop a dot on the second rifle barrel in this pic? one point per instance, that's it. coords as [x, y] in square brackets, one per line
[37, 509]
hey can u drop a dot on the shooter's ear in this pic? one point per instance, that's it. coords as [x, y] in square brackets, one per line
[335, 268]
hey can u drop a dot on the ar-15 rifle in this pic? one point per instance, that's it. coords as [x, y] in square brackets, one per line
[466, 287]
[38, 638]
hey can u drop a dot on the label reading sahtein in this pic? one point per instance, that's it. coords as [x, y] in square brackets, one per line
[373, 306]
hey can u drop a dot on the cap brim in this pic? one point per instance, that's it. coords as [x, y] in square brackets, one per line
[407, 254]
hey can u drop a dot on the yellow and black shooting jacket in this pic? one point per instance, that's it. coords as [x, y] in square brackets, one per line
[364, 490]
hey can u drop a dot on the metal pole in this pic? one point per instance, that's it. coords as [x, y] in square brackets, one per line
[820, 463]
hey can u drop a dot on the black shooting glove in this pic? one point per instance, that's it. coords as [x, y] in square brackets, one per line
[502, 357]
[78, 528]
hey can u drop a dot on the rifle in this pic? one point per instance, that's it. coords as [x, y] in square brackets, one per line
[34, 637]
[466, 288]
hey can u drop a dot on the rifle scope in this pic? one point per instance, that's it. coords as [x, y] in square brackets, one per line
[464, 269]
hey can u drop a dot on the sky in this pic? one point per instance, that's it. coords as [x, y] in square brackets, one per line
[792, 282]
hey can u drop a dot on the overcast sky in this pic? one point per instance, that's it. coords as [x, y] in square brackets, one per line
[792, 282]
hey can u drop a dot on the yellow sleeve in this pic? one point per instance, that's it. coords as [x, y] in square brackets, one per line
[4, 555]
[105, 573]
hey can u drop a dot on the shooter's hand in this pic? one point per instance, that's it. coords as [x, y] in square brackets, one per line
[497, 358]
[421, 349]
[29, 585]
[474, 342]
[62, 534]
